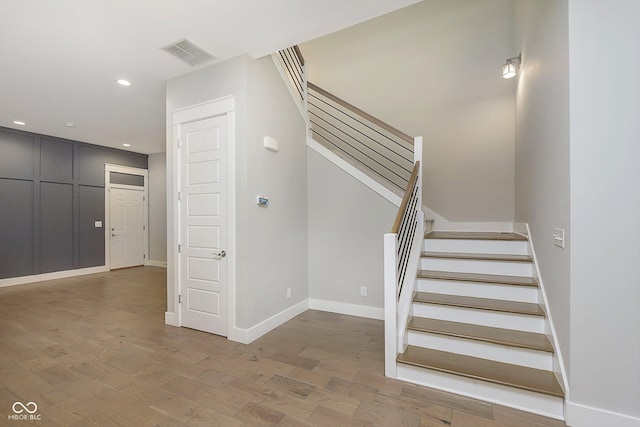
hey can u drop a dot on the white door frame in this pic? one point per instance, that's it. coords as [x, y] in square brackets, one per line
[108, 168]
[213, 108]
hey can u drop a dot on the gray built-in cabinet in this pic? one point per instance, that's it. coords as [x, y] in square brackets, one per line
[51, 194]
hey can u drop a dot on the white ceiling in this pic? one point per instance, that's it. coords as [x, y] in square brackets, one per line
[60, 59]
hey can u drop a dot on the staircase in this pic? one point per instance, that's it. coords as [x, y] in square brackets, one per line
[477, 326]
[464, 312]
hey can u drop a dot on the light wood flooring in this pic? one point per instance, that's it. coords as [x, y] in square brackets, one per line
[94, 350]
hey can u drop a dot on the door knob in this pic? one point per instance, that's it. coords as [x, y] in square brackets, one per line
[220, 254]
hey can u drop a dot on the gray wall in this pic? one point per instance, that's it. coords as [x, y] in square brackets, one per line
[542, 146]
[577, 167]
[52, 191]
[158, 207]
[434, 70]
[605, 207]
[345, 242]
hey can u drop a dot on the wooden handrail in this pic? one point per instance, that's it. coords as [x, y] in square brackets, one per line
[299, 54]
[359, 112]
[405, 200]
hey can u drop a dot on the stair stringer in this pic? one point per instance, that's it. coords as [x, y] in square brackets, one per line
[558, 362]
[375, 185]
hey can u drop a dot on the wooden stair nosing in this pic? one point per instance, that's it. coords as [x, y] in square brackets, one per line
[476, 235]
[478, 278]
[524, 378]
[479, 257]
[488, 304]
[506, 337]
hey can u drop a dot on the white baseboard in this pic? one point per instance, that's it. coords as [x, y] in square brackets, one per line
[171, 318]
[246, 336]
[152, 263]
[13, 281]
[578, 415]
[345, 308]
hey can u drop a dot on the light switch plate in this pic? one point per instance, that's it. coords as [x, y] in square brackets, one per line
[98, 224]
[558, 237]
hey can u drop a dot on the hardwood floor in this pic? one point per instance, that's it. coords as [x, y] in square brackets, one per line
[94, 350]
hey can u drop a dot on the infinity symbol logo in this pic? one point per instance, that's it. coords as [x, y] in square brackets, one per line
[21, 407]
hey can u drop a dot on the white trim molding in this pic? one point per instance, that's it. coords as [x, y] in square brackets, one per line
[23, 280]
[346, 308]
[246, 336]
[152, 263]
[579, 415]
[171, 318]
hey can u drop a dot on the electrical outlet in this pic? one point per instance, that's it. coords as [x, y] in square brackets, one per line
[363, 291]
[288, 293]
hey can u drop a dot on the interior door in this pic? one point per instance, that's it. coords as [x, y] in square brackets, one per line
[126, 218]
[203, 225]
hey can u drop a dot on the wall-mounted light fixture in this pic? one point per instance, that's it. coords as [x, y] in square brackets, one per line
[511, 67]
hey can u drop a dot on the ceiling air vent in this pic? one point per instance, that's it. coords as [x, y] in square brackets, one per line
[188, 52]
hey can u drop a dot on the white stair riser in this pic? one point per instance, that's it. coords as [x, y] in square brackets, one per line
[512, 355]
[519, 322]
[476, 246]
[536, 403]
[505, 268]
[479, 290]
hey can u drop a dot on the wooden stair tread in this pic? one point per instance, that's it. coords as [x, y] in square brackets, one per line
[480, 303]
[508, 337]
[521, 377]
[475, 235]
[476, 277]
[481, 257]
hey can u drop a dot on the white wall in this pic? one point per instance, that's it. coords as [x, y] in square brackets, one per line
[542, 146]
[271, 243]
[604, 57]
[158, 207]
[434, 70]
[347, 222]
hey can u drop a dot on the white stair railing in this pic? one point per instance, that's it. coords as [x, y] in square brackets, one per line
[401, 258]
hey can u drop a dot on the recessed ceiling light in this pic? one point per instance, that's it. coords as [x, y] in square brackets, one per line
[124, 82]
[127, 145]
[70, 125]
[18, 122]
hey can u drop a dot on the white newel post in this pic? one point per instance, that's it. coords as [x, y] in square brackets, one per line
[390, 304]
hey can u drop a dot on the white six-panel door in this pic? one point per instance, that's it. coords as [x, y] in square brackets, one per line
[203, 225]
[126, 219]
